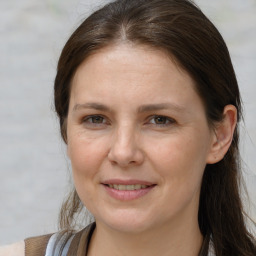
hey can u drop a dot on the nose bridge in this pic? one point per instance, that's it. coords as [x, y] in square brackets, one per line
[124, 147]
[125, 135]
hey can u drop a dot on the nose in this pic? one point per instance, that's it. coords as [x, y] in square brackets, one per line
[124, 150]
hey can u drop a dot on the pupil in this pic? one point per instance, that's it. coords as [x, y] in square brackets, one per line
[160, 120]
[97, 119]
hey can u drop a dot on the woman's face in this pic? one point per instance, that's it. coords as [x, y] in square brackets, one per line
[138, 139]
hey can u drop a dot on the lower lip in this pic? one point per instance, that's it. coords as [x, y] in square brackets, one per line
[126, 195]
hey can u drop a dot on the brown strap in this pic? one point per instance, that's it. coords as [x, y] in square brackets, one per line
[80, 242]
[75, 243]
[85, 240]
[36, 245]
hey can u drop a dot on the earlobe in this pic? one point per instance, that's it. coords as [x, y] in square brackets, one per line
[223, 135]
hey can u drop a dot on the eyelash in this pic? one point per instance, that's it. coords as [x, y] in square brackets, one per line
[167, 120]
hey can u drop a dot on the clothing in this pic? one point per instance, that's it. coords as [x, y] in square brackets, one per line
[60, 244]
[76, 244]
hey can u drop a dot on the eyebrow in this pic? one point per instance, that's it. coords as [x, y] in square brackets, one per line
[161, 106]
[91, 105]
[141, 109]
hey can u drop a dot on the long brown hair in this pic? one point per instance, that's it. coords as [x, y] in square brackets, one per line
[179, 28]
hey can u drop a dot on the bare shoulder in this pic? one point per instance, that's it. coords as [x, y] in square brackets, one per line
[17, 249]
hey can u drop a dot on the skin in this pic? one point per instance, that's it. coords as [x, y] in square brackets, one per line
[168, 146]
[17, 249]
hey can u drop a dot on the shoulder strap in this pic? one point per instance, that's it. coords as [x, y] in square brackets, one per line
[81, 240]
[69, 243]
[36, 245]
[61, 243]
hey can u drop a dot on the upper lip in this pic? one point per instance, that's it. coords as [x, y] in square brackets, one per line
[127, 182]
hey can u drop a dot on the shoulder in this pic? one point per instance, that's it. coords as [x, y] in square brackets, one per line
[17, 249]
[47, 244]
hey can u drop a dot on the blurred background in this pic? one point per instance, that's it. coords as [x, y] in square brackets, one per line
[34, 173]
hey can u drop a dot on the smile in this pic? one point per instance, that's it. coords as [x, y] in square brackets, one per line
[127, 187]
[127, 192]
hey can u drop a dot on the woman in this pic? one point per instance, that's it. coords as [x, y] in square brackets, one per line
[148, 105]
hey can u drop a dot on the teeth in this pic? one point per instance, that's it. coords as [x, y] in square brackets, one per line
[127, 187]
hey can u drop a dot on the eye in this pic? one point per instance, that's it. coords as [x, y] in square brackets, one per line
[161, 120]
[95, 120]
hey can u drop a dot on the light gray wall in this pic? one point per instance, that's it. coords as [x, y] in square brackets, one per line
[33, 168]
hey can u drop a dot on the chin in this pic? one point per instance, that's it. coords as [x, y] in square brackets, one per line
[127, 222]
[130, 227]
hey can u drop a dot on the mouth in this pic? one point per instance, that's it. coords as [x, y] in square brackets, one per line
[128, 190]
[127, 187]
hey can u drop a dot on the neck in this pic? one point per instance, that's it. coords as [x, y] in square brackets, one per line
[179, 239]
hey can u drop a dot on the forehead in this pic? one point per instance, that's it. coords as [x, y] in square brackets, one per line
[126, 70]
[125, 52]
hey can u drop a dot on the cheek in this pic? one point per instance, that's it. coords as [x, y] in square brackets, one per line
[180, 160]
[179, 149]
[86, 155]
[180, 164]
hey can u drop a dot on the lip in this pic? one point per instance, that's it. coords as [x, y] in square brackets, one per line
[127, 195]
[127, 182]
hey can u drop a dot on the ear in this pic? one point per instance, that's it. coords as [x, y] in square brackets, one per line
[223, 135]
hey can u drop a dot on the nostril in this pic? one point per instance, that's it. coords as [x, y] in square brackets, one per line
[122, 160]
